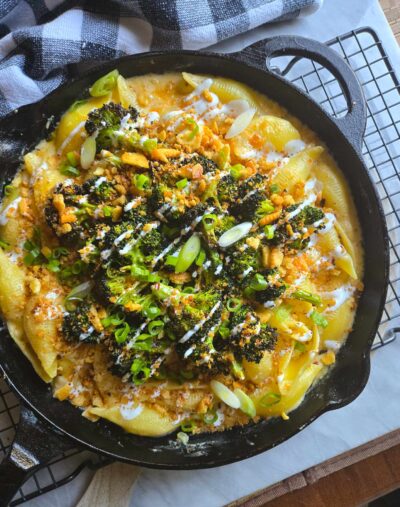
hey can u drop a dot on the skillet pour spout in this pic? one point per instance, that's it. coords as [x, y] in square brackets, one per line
[20, 132]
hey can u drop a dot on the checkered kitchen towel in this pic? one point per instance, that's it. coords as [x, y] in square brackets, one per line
[40, 38]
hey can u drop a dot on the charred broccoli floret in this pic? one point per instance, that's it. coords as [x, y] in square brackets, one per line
[137, 216]
[249, 338]
[77, 327]
[241, 261]
[250, 195]
[269, 294]
[106, 121]
[307, 216]
[227, 189]
[152, 243]
[99, 190]
[139, 355]
[174, 216]
[188, 312]
[247, 206]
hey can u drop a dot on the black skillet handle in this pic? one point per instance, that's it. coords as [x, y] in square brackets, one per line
[34, 445]
[353, 124]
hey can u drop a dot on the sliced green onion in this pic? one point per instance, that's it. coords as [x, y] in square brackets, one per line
[269, 231]
[195, 129]
[265, 208]
[4, 244]
[319, 319]
[69, 170]
[224, 394]
[171, 260]
[181, 184]
[53, 265]
[155, 327]
[189, 290]
[258, 282]
[210, 417]
[188, 254]
[143, 337]
[104, 85]
[282, 313]
[78, 293]
[121, 334]
[182, 437]
[34, 255]
[234, 234]
[305, 295]
[236, 171]
[201, 257]
[274, 189]
[188, 426]
[143, 344]
[300, 347]
[234, 304]
[107, 211]
[88, 152]
[78, 103]
[72, 158]
[60, 251]
[246, 403]
[113, 320]
[142, 181]
[149, 145]
[270, 399]
[162, 291]
[10, 191]
[140, 273]
[224, 330]
[237, 370]
[240, 123]
[209, 220]
[151, 312]
[140, 371]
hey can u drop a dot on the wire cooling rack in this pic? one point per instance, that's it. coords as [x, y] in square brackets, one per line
[364, 52]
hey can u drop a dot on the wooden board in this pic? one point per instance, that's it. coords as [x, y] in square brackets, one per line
[391, 8]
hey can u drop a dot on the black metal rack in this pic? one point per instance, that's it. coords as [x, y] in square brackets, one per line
[363, 50]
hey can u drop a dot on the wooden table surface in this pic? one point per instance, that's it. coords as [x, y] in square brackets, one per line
[357, 484]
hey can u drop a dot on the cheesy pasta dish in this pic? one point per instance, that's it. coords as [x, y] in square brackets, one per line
[179, 254]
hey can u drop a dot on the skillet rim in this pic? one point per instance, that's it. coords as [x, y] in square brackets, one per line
[364, 358]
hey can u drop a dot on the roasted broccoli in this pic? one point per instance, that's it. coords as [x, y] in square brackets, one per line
[250, 195]
[77, 327]
[269, 294]
[152, 243]
[99, 190]
[227, 189]
[307, 216]
[106, 121]
[249, 338]
[242, 261]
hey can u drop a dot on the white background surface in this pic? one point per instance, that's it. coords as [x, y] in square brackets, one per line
[374, 413]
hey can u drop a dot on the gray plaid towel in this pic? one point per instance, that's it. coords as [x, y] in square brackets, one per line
[40, 38]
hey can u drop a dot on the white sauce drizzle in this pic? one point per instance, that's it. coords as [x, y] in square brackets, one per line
[99, 181]
[72, 134]
[129, 412]
[200, 324]
[12, 206]
[340, 296]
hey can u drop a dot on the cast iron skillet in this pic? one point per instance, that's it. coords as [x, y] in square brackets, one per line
[48, 426]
